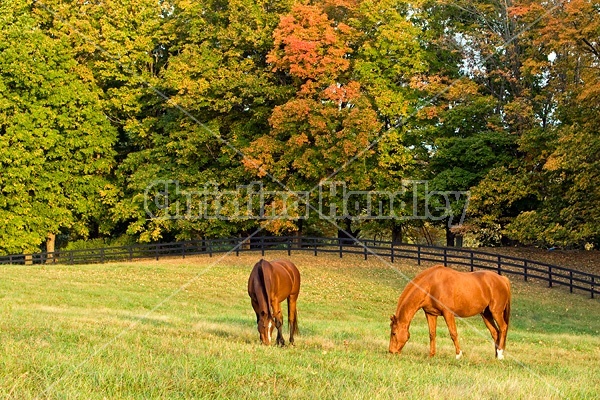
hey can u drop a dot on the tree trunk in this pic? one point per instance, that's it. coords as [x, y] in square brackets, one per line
[459, 240]
[50, 247]
[347, 233]
[397, 236]
[246, 242]
[298, 233]
[450, 236]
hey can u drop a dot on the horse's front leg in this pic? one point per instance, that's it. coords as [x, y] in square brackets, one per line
[451, 322]
[256, 309]
[432, 322]
[278, 317]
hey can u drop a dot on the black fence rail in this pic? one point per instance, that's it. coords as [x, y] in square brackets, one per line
[530, 270]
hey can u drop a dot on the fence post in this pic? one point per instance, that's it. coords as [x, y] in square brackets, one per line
[593, 287]
[392, 252]
[549, 276]
[289, 247]
[237, 248]
[418, 254]
[525, 270]
[445, 257]
[571, 281]
[210, 248]
[156, 251]
[262, 246]
[10, 260]
[340, 243]
[472, 262]
[183, 250]
[365, 250]
[315, 242]
[499, 265]
[71, 257]
[102, 255]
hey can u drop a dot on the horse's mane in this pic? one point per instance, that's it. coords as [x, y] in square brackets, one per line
[266, 280]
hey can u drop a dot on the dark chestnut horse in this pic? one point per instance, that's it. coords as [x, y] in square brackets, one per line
[443, 291]
[269, 284]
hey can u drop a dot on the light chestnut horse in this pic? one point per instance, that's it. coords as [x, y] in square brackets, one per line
[443, 291]
[269, 284]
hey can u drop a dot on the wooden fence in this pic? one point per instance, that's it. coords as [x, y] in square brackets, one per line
[530, 270]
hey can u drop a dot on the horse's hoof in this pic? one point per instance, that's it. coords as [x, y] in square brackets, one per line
[500, 355]
[459, 355]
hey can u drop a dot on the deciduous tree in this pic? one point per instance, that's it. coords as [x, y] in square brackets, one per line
[56, 142]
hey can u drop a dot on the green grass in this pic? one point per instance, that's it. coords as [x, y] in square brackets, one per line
[184, 329]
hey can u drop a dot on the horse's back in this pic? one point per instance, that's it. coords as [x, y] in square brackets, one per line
[287, 264]
[498, 284]
[280, 278]
[495, 288]
[442, 276]
[290, 268]
[464, 293]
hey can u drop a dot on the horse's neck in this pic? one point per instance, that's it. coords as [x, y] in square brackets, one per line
[409, 303]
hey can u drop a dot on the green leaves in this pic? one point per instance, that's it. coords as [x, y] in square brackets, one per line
[57, 144]
[99, 102]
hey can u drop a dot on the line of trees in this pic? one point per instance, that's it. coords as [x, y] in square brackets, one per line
[98, 99]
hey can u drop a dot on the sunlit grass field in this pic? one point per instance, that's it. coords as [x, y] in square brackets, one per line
[184, 329]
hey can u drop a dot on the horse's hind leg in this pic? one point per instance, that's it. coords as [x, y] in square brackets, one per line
[502, 329]
[451, 322]
[488, 319]
[292, 316]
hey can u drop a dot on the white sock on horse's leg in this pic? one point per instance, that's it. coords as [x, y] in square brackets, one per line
[500, 354]
[459, 355]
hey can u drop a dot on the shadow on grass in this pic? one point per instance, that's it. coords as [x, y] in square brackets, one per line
[231, 328]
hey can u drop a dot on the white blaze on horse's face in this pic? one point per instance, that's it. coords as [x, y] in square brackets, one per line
[265, 328]
[270, 330]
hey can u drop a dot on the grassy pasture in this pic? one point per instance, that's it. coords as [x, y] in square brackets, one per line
[184, 329]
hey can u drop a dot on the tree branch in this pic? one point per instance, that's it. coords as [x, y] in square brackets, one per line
[591, 47]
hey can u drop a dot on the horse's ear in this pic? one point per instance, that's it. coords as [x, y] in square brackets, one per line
[393, 318]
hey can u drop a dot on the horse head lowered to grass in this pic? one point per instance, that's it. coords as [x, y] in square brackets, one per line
[269, 284]
[443, 291]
